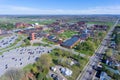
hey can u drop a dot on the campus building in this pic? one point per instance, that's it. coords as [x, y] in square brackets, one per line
[70, 43]
[32, 36]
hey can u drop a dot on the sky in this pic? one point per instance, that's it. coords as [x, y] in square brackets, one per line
[71, 7]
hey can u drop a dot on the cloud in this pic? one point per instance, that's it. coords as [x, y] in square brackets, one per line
[8, 9]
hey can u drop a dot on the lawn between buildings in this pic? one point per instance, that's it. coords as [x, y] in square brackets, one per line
[67, 34]
[47, 41]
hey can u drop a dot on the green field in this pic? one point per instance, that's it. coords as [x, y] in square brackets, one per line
[67, 34]
[101, 23]
[1, 37]
[47, 41]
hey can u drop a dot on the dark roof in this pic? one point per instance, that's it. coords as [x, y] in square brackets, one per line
[104, 76]
[51, 37]
[70, 42]
[83, 36]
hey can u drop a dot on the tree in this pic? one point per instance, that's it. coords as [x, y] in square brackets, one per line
[117, 57]
[40, 76]
[7, 26]
[13, 74]
[117, 40]
[34, 69]
[116, 76]
[44, 62]
[27, 42]
[58, 52]
[109, 52]
[86, 47]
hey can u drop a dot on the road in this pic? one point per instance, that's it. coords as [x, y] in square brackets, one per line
[88, 72]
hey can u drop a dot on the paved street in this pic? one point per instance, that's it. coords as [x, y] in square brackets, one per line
[88, 72]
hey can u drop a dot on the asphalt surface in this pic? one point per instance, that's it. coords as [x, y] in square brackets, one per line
[20, 57]
[7, 41]
[88, 72]
[14, 46]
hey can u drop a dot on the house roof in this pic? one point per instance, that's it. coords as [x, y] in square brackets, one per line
[83, 36]
[66, 71]
[104, 76]
[71, 41]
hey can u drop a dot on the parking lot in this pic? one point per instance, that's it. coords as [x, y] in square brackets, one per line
[7, 41]
[20, 57]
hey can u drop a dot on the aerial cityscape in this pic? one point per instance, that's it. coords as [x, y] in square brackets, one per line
[60, 40]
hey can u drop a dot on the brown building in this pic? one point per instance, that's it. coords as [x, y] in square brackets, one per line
[20, 25]
[32, 36]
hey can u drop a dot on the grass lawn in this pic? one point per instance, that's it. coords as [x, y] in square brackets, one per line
[28, 67]
[47, 41]
[40, 44]
[46, 22]
[88, 53]
[77, 70]
[67, 34]
[1, 37]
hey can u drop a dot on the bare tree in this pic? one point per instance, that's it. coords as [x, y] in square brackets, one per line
[13, 74]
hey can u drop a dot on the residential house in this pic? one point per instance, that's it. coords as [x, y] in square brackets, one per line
[66, 71]
[104, 76]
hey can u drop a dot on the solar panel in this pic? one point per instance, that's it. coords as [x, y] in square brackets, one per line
[70, 42]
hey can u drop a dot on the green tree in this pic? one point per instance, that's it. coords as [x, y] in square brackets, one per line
[86, 47]
[27, 42]
[117, 57]
[34, 69]
[44, 62]
[40, 76]
[109, 52]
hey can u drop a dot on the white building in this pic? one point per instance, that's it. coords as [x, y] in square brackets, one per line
[66, 71]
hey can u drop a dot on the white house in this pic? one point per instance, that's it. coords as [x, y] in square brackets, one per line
[66, 71]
